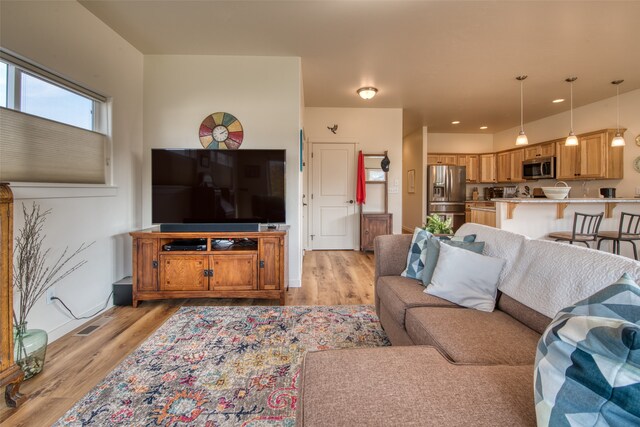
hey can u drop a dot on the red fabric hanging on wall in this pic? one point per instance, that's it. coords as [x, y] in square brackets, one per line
[361, 189]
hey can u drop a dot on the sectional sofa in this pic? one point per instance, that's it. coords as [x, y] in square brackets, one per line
[451, 365]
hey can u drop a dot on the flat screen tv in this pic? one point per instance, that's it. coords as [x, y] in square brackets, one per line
[200, 186]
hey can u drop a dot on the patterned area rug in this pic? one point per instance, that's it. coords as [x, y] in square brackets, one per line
[222, 366]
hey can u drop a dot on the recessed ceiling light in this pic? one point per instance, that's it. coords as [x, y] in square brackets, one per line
[557, 101]
[483, 127]
[455, 122]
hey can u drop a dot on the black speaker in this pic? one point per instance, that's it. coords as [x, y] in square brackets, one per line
[123, 291]
[204, 227]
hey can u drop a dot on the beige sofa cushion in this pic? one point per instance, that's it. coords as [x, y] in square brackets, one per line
[410, 386]
[472, 336]
[398, 293]
[531, 318]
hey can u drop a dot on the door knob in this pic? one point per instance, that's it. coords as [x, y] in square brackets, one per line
[350, 201]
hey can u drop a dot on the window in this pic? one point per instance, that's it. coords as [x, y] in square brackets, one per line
[53, 130]
[3, 84]
[44, 99]
[35, 91]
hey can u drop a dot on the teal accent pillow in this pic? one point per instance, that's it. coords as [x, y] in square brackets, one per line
[417, 254]
[433, 252]
[587, 368]
[468, 238]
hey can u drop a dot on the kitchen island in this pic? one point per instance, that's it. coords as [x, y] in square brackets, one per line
[538, 217]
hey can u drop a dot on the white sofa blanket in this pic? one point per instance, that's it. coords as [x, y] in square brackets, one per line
[548, 276]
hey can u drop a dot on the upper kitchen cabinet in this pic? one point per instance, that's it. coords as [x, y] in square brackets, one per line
[547, 149]
[442, 159]
[592, 158]
[510, 166]
[471, 163]
[488, 168]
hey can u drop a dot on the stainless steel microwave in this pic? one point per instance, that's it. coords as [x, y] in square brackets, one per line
[539, 168]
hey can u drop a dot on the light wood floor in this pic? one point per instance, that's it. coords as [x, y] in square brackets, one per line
[76, 364]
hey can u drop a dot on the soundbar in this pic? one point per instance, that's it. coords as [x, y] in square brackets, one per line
[208, 227]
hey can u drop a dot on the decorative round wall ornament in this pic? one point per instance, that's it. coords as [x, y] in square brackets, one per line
[636, 164]
[221, 131]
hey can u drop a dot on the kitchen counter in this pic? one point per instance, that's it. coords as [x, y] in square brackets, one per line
[538, 217]
[568, 200]
[561, 204]
[483, 208]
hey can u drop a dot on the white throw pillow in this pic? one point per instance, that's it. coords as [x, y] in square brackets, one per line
[466, 278]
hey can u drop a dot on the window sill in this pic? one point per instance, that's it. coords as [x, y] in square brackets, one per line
[30, 190]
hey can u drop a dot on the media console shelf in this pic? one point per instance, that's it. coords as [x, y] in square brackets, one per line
[233, 265]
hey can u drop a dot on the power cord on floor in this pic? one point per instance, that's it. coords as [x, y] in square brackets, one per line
[83, 317]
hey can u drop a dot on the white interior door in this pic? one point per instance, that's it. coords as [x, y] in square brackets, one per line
[333, 207]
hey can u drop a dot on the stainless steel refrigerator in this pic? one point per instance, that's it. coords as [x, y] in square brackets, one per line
[446, 192]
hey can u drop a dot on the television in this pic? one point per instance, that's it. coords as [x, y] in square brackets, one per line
[211, 190]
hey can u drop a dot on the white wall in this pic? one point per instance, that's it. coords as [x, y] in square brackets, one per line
[375, 130]
[591, 117]
[412, 203]
[262, 92]
[460, 143]
[68, 39]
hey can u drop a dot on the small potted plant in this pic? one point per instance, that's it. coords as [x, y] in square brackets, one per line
[31, 279]
[438, 225]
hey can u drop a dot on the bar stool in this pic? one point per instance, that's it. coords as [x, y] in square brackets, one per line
[585, 229]
[628, 231]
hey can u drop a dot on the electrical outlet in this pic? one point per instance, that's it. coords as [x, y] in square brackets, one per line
[51, 293]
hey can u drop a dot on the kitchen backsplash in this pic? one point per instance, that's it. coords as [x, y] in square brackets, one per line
[588, 188]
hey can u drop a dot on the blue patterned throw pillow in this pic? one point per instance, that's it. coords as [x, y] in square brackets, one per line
[587, 369]
[417, 254]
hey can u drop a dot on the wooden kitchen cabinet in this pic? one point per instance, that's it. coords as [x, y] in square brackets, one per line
[471, 162]
[509, 166]
[373, 225]
[442, 159]
[488, 168]
[484, 217]
[592, 158]
[547, 149]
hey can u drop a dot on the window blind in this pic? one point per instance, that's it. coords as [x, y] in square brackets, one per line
[33, 149]
[52, 77]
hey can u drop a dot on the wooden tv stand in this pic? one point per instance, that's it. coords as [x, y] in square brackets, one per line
[233, 265]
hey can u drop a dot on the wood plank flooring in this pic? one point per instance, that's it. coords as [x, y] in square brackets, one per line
[76, 364]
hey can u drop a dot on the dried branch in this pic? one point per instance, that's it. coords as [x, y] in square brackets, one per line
[32, 276]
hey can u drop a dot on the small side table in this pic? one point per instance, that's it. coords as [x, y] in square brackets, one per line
[372, 225]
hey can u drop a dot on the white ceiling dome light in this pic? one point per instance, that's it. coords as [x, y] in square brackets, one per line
[367, 92]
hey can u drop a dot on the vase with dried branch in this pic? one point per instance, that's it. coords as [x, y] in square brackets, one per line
[33, 276]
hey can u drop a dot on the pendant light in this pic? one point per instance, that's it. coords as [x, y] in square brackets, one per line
[572, 139]
[618, 140]
[522, 138]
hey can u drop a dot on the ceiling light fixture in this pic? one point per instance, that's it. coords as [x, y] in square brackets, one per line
[367, 92]
[455, 122]
[558, 101]
[618, 140]
[483, 127]
[522, 138]
[572, 139]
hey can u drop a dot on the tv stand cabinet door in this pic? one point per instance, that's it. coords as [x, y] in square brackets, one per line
[146, 264]
[234, 272]
[270, 252]
[183, 272]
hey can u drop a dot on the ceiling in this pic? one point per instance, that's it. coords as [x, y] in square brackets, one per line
[438, 60]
